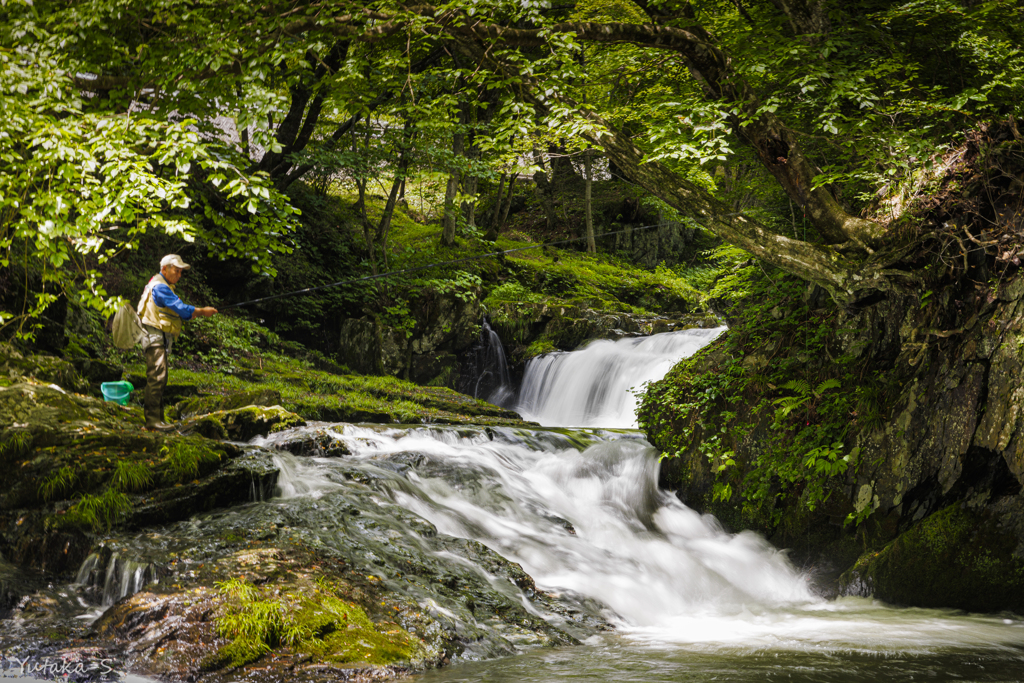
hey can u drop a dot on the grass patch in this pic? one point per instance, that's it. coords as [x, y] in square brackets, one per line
[131, 476]
[185, 460]
[60, 484]
[98, 513]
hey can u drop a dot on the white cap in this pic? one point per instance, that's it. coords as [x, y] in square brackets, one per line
[174, 260]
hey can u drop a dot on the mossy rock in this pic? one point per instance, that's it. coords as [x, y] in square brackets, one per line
[957, 558]
[279, 612]
[76, 465]
[242, 424]
[17, 367]
[203, 405]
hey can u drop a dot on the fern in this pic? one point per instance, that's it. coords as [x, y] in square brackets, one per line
[800, 386]
[826, 385]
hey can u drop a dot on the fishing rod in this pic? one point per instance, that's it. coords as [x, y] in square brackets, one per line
[406, 271]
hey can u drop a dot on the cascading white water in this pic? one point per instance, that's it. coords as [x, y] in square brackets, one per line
[118, 576]
[493, 368]
[632, 547]
[592, 387]
[589, 523]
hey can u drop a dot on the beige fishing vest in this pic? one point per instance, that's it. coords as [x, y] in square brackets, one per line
[163, 319]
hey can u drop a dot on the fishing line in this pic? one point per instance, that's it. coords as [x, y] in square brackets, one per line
[380, 276]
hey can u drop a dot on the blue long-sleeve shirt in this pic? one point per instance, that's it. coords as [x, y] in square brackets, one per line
[165, 298]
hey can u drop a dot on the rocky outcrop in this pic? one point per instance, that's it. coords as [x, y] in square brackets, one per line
[965, 557]
[17, 367]
[425, 347]
[938, 425]
[77, 466]
[92, 496]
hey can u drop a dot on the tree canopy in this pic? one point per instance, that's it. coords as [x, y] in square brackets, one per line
[194, 118]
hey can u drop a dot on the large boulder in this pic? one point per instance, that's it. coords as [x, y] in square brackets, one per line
[242, 424]
[16, 367]
[203, 405]
[959, 557]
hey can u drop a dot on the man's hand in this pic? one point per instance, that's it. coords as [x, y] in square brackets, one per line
[205, 312]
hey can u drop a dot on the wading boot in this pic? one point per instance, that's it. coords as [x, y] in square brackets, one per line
[156, 380]
[155, 417]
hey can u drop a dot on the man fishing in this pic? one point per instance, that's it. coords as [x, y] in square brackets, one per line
[162, 314]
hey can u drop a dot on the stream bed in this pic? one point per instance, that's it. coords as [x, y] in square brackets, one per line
[581, 512]
[529, 554]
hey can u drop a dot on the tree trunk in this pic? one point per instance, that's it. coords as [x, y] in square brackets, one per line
[492, 226]
[544, 190]
[451, 211]
[469, 179]
[307, 98]
[562, 171]
[508, 202]
[587, 164]
[389, 209]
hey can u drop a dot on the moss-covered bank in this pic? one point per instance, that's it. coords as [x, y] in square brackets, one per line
[958, 556]
[837, 431]
[232, 592]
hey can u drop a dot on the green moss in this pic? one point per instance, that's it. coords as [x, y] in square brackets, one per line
[302, 390]
[953, 558]
[315, 621]
[540, 347]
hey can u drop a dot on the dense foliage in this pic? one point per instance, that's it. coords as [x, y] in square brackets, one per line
[192, 118]
[778, 385]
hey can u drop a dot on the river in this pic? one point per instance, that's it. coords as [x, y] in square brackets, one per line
[652, 589]
[580, 510]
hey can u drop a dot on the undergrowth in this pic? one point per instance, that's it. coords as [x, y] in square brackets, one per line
[771, 403]
[97, 512]
[186, 460]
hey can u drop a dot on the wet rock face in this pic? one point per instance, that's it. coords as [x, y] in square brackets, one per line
[444, 324]
[958, 557]
[365, 587]
[953, 434]
[190, 630]
[77, 466]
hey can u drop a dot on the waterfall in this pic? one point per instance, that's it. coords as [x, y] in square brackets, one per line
[486, 374]
[580, 511]
[592, 387]
[116, 575]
